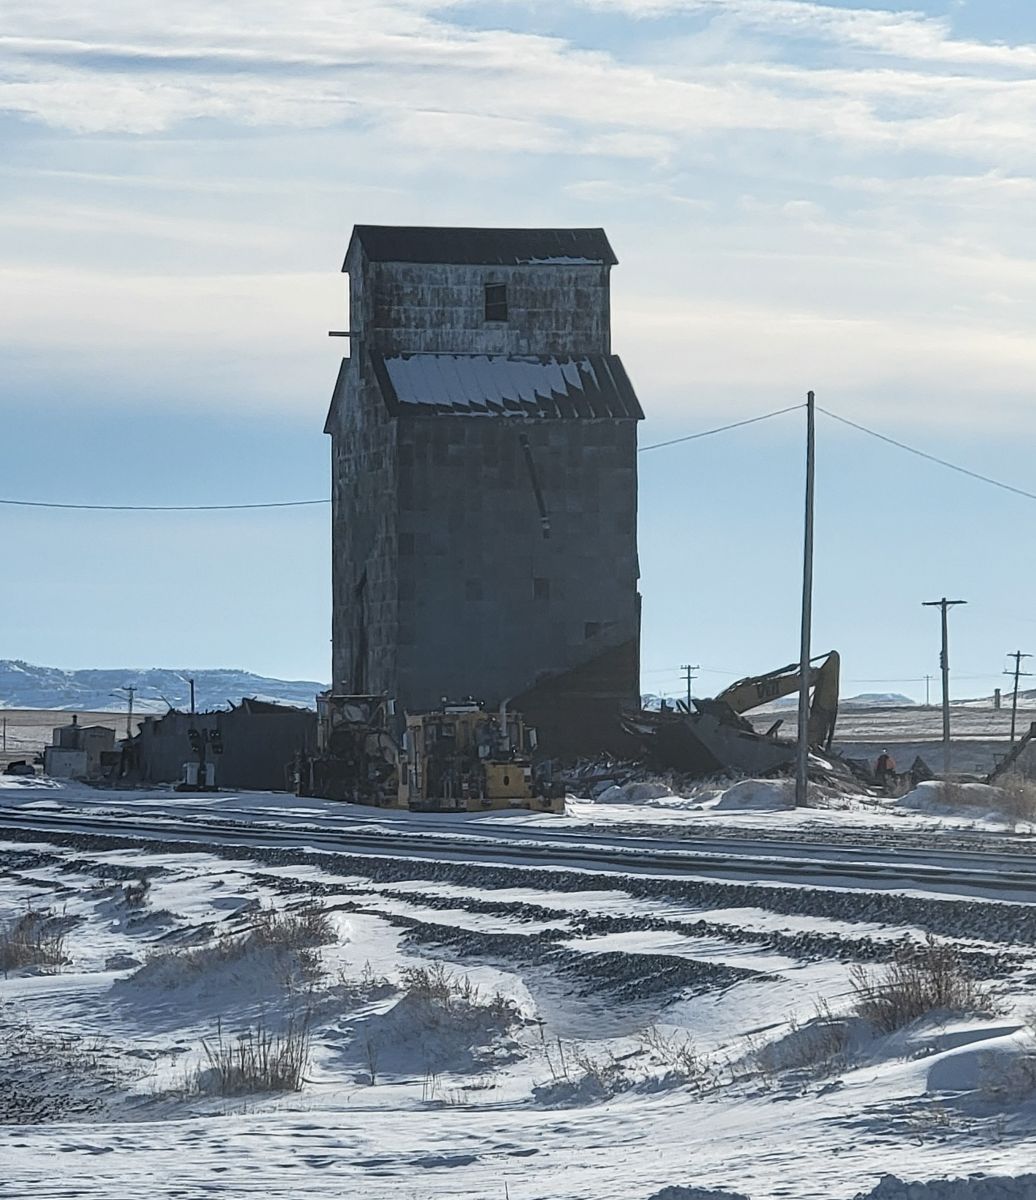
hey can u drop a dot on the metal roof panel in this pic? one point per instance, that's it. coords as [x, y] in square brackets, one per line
[485, 247]
[581, 386]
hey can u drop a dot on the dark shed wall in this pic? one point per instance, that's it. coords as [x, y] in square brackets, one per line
[486, 604]
[257, 747]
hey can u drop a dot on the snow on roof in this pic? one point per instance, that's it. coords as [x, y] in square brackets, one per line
[590, 385]
[488, 247]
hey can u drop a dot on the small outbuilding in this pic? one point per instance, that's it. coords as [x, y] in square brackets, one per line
[76, 750]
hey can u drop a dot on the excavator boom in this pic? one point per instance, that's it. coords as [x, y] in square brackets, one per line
[756, 690]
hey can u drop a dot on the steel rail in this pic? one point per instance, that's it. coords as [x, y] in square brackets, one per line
[386, 822]
[745, 868]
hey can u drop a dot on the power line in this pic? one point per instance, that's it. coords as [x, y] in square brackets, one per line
[1007, 487]
[163, 507]
[690, 437]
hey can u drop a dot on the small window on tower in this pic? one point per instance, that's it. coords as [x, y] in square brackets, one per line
[496, 301]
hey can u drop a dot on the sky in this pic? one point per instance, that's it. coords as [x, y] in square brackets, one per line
[827, 196]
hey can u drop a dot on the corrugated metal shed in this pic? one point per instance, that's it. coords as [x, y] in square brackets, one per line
[487, 247]
[592, 385]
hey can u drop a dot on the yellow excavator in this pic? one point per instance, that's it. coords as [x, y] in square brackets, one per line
[756, 690]
[715, 736]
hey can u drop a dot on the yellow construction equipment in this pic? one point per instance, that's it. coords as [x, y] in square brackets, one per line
[715, 737]
[463, 758]
[756, 690]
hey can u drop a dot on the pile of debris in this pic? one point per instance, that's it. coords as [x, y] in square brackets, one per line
[633, 781]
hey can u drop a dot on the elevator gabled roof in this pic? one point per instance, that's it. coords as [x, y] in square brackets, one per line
[485, 247]
[587, 385]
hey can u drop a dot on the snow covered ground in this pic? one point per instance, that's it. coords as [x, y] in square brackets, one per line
[495, 1029]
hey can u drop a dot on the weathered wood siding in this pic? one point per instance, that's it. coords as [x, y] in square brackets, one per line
[443, 582]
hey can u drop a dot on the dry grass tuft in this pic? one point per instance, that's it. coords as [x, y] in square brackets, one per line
[296, 933]
[820, 1046]
[35, 939]
[1017, 799]
[679, 1056]
[926, 978]
[454, 993]
[257, 1060]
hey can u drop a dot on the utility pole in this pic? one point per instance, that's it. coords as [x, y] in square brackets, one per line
[191, 682]
[927, 681]
[801, 772]
[1017, 673]
[687, 674]
[944, 662]
[5, 735]
[129, 689]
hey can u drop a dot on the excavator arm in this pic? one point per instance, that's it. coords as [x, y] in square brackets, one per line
[755, 690]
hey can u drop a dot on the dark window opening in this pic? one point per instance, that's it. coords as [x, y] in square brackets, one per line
[591, 629]
[541, 589]
[496, 301]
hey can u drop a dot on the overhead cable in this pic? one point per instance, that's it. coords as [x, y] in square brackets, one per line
[690, 437]
[308, 503]
[1007, 487]
[163, 507]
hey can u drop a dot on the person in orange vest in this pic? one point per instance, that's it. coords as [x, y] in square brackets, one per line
[885, 768]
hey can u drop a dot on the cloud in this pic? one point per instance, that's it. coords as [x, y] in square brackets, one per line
[785, 182]
[315, 65]
[907, 35]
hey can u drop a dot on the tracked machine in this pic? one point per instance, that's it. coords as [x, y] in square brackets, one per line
[458, 758]
[463, 758]
[356, 755]
[714, 737]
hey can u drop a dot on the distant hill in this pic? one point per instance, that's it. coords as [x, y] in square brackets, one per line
[24, 685]
[864, 700]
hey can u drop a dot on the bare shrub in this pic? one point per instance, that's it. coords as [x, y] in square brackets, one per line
[135, 894]
[607, 1075]
[35, 939]
[820, 1046]
[297, 929]
[1017, 799]
[956, 795]
[678, 1055]
[295, 933]
[352, 990]
[372, 1053]
[439, 985]
[452, 992]
[257, 1060]
[926, 978]
[579, 1077]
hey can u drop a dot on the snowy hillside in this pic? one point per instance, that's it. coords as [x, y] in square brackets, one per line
[24, 685]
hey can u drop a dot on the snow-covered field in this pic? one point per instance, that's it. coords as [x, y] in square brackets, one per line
[469, 1024]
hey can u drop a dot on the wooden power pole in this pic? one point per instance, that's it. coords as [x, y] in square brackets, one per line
[129, 689]
[944, 662]
[1017, 673]
[689, 676]
[802, 764]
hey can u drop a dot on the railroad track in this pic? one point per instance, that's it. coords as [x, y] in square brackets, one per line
[879, 846]
[960, 873]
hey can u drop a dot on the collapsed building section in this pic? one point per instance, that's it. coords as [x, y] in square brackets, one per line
[485, 481]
